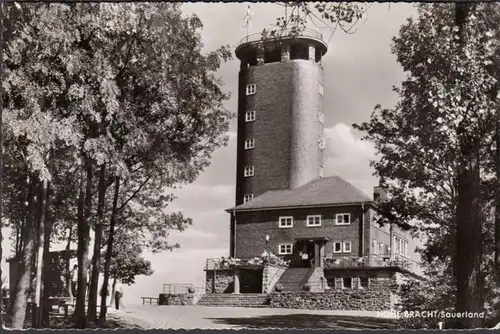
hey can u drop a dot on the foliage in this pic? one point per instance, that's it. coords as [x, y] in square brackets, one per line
[446, 103]
[128, 260]
[126, 85]
[322, 15]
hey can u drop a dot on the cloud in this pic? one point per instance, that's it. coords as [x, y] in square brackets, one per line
[193, 233]
[349, 157]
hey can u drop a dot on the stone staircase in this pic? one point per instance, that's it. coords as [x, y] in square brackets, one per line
[234, 300]
[293, 279]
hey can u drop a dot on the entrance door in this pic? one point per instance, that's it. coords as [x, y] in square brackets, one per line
[301, 247]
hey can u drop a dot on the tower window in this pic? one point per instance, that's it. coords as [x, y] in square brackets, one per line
[320, 89]
[321, 117]
[249, 143]
[248, 171]
[313, 221]
[285, 249]
[251, 89]
[285, 222]
[247, 198]
[250, 116]
[321, 143]
[320, 172]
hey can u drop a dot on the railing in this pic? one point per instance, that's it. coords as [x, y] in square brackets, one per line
[287, 32]
[374, 261]
[220, 263]
[180, 288]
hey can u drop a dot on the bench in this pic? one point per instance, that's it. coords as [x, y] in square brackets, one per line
[150, 299]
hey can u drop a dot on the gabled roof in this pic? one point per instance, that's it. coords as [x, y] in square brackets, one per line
[321, 192]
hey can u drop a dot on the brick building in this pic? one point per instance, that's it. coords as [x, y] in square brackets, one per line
[284, 205]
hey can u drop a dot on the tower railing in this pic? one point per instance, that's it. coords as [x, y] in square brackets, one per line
[286, 32]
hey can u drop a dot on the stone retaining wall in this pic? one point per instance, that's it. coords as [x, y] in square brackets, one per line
[179, 298]
[342, 299]
[219, 281]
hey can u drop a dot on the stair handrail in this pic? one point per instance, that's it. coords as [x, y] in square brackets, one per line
[306, 278]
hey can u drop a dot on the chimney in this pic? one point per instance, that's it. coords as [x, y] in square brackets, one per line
[379, 194]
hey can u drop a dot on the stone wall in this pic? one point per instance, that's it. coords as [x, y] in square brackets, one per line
[179, 298]
[270, 276]
[223, 282]
[340, 299]
[315, 281]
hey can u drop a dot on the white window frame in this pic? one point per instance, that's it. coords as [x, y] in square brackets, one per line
[285, 251]
[285, 219]
[308, 224]
[342, 214]
[247, 198]
[251, 89]
[320, 171]
[401, 246]
[376, 247]
[248, 171]
[249, 144]
[337, 243]
[321, 117]
[322, 143]
[320, 89]
[344, 247]
[250, 116]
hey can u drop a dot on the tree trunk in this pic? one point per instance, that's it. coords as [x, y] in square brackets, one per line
[83, 249]
[469, 218]
[39, 257]
[45, 304]
[68, 258]
[25, 266]
[1, 156]
[96, 259]
[469, 245]
[109, 251]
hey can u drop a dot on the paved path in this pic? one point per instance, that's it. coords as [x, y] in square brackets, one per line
[204, 317]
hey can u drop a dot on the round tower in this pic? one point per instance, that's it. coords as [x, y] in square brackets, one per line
[280, 113]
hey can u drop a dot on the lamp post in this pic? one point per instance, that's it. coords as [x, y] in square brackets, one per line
[267, 241]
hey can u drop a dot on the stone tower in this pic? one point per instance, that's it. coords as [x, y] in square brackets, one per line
[280, 113]
[280, 139]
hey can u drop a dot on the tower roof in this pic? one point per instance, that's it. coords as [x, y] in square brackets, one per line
[327, 191]
[309, 36]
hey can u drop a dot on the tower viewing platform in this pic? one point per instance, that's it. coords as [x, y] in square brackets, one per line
[256, 49]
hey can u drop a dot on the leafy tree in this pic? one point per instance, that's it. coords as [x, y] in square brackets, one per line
[117, 99]
[435, 144]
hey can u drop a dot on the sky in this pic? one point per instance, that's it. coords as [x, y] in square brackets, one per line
[359, 73]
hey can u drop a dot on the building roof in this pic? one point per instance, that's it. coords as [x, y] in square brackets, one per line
[321, 192]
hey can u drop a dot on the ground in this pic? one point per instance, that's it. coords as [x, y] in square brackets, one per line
[201, 317]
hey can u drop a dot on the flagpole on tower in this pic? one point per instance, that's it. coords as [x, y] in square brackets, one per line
[248, 19]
